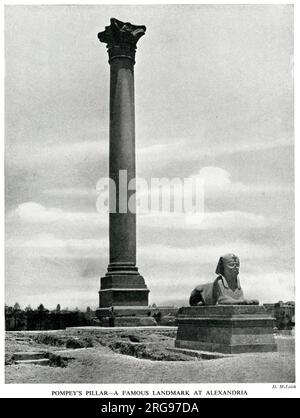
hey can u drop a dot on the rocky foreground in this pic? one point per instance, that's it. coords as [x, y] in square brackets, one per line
[134, 355]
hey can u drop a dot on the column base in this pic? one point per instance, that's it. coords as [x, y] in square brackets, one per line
[226, 329]
[123, 289]
[123, 297]
[133, 316]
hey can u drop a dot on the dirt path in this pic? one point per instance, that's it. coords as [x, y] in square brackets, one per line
[101, 365]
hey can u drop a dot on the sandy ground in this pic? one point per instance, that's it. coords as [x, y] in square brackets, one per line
[100, 364]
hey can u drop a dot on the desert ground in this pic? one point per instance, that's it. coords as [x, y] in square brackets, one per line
[136, 355]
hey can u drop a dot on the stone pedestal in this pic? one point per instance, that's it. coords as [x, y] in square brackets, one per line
[123, 288]
[132, 316]
[226, 329]
[126, 316]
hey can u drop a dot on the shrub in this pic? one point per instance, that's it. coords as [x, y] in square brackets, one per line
[48, 339]
[75, 343]
[56, 360]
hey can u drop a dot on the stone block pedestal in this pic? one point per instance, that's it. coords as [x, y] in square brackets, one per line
[123, 290]
[125, 316]
[133, 316]
[123, 300]
[226, 329]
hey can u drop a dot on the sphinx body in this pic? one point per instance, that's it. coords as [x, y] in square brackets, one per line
[225, 289]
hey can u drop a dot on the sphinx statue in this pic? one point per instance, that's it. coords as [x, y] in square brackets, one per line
[225, 289]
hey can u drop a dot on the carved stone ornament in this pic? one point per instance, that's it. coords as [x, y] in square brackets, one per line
[121, 38]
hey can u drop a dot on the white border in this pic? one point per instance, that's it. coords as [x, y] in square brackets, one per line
[254, 390]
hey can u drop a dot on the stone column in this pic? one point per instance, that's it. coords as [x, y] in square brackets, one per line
[122, 286]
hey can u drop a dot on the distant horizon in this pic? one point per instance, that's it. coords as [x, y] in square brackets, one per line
[94, 308]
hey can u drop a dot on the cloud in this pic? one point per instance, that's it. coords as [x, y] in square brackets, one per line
[270, 286]
[230, 220]
[35, 213]
[204, 253]
[209, 182]
[71, 192]
[187, 150]
[213, 180]
[217, 221]
[217, 180]
[47, 245]
[37, 155]
[32, 213]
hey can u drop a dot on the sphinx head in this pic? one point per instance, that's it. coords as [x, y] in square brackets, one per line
[228, 266]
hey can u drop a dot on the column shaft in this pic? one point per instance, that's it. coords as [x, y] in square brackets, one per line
[122, 226]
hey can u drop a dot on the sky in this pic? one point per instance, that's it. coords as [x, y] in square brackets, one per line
[214, 98]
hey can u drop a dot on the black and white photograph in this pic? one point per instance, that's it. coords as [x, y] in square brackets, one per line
[149, 197]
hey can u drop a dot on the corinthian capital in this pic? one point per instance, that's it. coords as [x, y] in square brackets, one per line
[121, 38]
